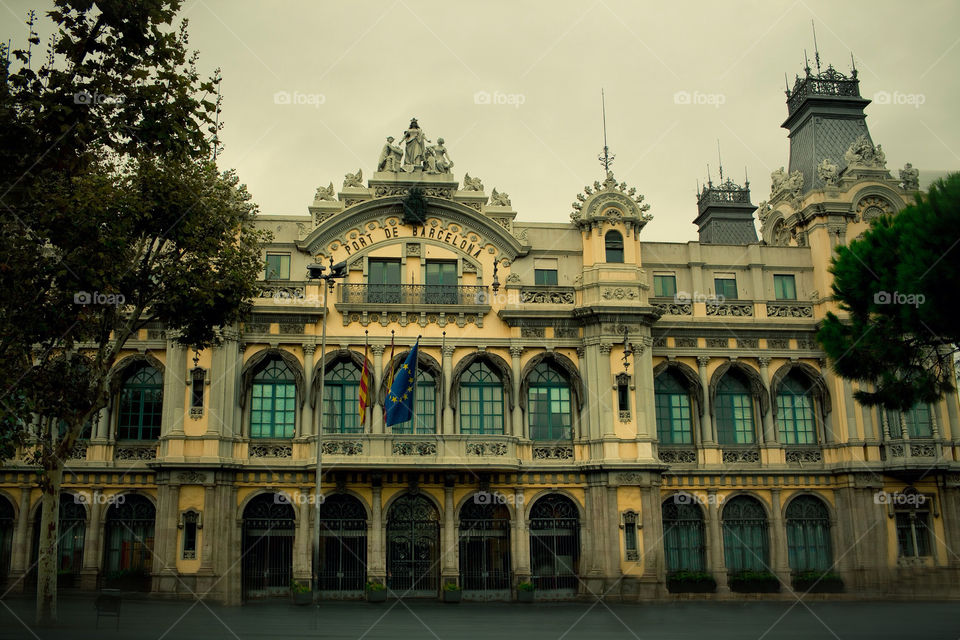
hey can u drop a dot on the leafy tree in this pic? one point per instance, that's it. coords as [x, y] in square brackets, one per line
[112, 214]
[898, 284]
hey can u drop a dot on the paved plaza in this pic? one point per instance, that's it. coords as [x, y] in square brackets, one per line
[395, 620]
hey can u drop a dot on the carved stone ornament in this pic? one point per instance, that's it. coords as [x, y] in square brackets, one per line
[353, 180]
[909, 178]
[499, 199]
[610, 201]
[862, 153]
[486, 449]
[741, 456]
[342, 448]
[192, 477]
[553, 453]
[134, 452]
[325, 193]
[674, 309]
[620, 293]
[871, 207]
[414, 448]
[828, 172]
[792, 185]
[472, 184]
[671, 455]
[763, 211]
[803, 455]
[271, 451]
[776, 310]
[535, 296]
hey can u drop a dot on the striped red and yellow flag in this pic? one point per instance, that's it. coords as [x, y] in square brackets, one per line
[364, 385]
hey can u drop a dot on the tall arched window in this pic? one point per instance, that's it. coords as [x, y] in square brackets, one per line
[481, 401]
[808, 535]
[672, 401]
[274, 402]
[128, 544]
[613, 245]
[734, 410]
[341, 406]
[141, 402]
[795, 419]
[426, 403]
[548, 405]
[917, 420]
[683, 535]
[746, 546]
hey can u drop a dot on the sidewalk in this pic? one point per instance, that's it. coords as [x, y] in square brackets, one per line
[156, 619]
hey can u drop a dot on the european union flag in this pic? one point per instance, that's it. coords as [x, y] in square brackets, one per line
[400, 399]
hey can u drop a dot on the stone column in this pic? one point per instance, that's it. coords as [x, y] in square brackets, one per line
[174, 389]
[613, 535]
[165, 540]
[447, 357]
[91, 543]
[594, 542]
[715, 542]
[103, 422]
[211, 522]
[707, 435]
[375, 380]
[448, 551]
[605, 390]
[224, 373]
[21, 538]
[779, 559]
[376, 564]
[306, 427]
[652, 531]
[521, 539]
[517, 418]
[769, 435]
[238, 428]
[303, 545]
[643, 375]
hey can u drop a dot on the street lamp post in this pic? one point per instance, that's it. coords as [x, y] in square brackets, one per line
[316, 272]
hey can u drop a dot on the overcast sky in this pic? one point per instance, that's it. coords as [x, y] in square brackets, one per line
[358, 71]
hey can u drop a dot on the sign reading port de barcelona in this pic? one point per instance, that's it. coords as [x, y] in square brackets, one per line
[466, 241]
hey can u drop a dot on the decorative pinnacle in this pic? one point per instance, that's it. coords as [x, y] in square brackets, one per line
[605, 158]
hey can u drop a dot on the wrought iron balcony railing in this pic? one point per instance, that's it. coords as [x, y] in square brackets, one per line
[414, 294]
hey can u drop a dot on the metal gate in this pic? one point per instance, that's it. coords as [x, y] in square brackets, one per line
[129, 543]
[484, 546]
[71, 530]
[268, 528]
[343, 546]
[554, 544]
[6, 538]
[413, 540]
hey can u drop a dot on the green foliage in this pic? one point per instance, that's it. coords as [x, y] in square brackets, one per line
[691, 577]
[375, 585]
[525, 586]
[897, 284]
[299, 586]
[451, 586]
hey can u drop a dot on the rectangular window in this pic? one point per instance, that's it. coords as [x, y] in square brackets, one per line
[784, 287]
[545, 277]
[623, 396]
[278, 266]
[913, 533]
[383, 281]
[630, 534]
[190, 535]
[918, 421]
[196, 395]
[725, 286]
[664, 285]
[441, 283]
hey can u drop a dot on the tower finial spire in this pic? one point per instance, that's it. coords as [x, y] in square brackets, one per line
[719, 160]
[605, 158]
[816, 50]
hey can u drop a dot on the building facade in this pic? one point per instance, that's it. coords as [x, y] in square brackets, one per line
[595, 414]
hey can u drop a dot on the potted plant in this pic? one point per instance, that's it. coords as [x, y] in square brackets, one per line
[817, 582]
[691, 582]
[376, 591]
[525, 591]
[754, 582]
[300, 592]
[452, 592]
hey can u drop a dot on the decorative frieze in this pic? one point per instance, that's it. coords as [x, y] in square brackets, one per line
[342, 448]
[923, 450]
[546, 296]
[192, 477]
[685, 343]
[674, 308]
[718, 343]
[291, 327]
[794, 310]
[414, 448]
[271, 451]
[748, 343]
[625, 415]
[566, 332]
[486, 449]
[78, 452]
[741, 456]
[532, 332]
[778, 343]
[671, 455]
[283, 291]
[796, 455]
[136, 452]
[896, 450]
[620, 293]
[553, 453]
[730, 309]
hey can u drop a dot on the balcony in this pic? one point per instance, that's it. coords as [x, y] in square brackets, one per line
[420, 303]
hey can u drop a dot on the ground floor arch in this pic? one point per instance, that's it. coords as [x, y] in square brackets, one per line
[71, 534]
[343, 544]
[555, 544]
[413, 546]
[484, 546]
[269, 523]
[128, 542]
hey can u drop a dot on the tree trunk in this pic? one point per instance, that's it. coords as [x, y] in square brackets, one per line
[47, 552]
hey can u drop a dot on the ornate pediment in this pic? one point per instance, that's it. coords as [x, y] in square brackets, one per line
[610, 202]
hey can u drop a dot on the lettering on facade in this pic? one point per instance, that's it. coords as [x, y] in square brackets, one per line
[452, 238]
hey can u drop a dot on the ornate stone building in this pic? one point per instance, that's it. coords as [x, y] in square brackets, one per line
[594, 413]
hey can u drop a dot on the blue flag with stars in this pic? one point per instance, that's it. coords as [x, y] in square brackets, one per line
[400, 399]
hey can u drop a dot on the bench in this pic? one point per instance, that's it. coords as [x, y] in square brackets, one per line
[107, 606]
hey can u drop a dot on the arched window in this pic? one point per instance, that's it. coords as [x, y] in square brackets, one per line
[613, 244]
[674, 418]
[746, 546]
[341, 406]
[808, 535]
[683, 535]
[917, 420]
[343, 544]
[141, 402]
[269, 522]
[273, 408]
[128, 548]
[484, 545]
[426, 404]
[481, 401]
[554, 543]
[795, 419]
[7, 518]
[734, 410]
[548, 405]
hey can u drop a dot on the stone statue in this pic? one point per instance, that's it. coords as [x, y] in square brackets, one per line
[391, 157]
[879, 157]
[862, 152]
[777, 179]
[472, 184]
[354, 180]
[325, 193]
[414, 142]
[436, 158]
[909, 178]
[828, 172]
[764, 211]
[794, 184]
[499, 199]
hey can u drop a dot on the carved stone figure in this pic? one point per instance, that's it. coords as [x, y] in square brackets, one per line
[472, 184]
[777, 179]
[794, 184]
[353, 180]
[437, 160]
[764, 211]
[828, 172]
[325, 193]
[391, 157]
[909, 178]
[862, 153]
[499, 199]
[414, 142]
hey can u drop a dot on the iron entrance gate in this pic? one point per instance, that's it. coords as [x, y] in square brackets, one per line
[554, 544]
[413, 537]
[343, 546]
[71, 530]
[268, 527]
[484, 547]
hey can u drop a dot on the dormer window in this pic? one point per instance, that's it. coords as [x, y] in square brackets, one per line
[613, 244]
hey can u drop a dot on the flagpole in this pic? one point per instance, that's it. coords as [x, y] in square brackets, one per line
[364, 380]
[416, 368]
[390, 379]
[443, 347]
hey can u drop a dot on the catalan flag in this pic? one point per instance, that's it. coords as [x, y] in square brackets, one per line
[364, 385]
[399, 401]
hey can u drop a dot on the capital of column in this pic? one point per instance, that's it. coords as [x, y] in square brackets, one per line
[448, 351]
[309, 349]
[764, 362]
[605, 349]
[516, 352]
[581, 351]
[703, 361]
[378, 349]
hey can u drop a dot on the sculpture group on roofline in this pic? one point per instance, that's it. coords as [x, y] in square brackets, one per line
[415, 152]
